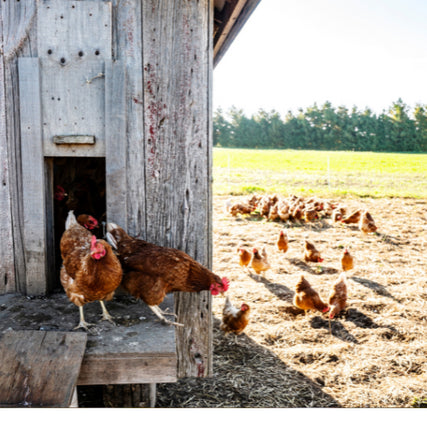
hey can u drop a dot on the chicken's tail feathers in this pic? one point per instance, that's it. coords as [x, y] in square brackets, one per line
[111, 240]
[71, 220]
[111, 226]
[227, 205]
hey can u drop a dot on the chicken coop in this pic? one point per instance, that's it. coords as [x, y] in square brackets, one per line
[105, 109]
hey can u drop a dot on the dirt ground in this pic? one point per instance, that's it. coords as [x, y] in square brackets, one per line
[373, 355]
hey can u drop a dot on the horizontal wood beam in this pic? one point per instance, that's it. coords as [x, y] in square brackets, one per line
[229, 23]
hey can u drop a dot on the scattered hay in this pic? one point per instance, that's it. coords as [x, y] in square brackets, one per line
[372, 355]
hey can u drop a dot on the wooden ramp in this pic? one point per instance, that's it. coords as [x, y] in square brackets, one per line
[40, 369]
[139, 349]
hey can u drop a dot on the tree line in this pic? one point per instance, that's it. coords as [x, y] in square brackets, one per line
[325, 128]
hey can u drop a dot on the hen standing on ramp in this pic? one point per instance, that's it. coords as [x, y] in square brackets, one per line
[152, 271]
[90, 270]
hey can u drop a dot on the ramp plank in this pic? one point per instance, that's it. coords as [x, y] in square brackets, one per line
[39, 369]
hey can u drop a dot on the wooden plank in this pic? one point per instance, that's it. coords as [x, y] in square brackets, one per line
[74, 40]
[7, 267]
[74, 30]
[74, 139]
[51, 277]
[17, 20]
[108, 369]
[138, 349]
[16, 36]
[39, 368]
[72, 104]
[177, 191]
[115, 139]
[128, 48]
[32, 176]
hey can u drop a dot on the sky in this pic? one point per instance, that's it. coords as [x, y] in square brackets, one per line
[293, 53]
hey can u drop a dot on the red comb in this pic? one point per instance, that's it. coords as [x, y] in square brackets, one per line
[225, 283]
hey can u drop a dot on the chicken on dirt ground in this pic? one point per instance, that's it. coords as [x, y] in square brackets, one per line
[347, 260]
[307, 298]
[259, 261]
[234, 319]
[338, 296]
[244, 257]
[152, 271]
[90, 270]
[311, 254]
[282, 241]
[367, 223]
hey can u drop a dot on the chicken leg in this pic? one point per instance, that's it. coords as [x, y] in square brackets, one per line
[105, 314]
[158, 312]
[83, 324]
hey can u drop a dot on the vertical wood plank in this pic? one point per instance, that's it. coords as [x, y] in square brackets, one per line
[176, 81]
[115, 139]
[7, 266]
[127, 47]
[34, 208]
[51, 267]
[17, 34]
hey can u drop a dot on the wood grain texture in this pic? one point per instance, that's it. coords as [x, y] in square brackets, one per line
[138, 349]
[115, 140]
[39, 369]
[72, 106]
[176, 123]
[74, 139]
[33, 178]
[7, 266]
[127, 47]
[17, 35]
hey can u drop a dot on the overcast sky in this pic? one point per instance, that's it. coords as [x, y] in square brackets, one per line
[293, 53]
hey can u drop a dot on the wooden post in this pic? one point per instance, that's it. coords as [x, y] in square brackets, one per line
[177, 90]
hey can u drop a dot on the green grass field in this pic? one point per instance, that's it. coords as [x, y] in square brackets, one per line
[324, 173]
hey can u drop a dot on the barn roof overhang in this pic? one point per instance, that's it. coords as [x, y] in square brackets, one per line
[229, 18]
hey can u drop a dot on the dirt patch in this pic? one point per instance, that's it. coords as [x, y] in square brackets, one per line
[372, 355]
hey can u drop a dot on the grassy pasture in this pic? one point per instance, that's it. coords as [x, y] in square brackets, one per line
[327, 173]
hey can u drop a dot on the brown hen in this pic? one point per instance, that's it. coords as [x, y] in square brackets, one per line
[90, 270]
[306, 298]
[152, 271]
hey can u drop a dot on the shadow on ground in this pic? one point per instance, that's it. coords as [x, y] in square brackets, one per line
[246, 375]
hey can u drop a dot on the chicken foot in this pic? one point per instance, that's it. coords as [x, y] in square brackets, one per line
[83, 324]
[105, 314]
[160, 314]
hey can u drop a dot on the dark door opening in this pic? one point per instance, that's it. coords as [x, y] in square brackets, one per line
[78, 185]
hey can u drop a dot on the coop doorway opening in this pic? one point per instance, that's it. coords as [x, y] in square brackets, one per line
[78, 185]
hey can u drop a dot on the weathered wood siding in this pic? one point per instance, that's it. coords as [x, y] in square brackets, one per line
[159, 172]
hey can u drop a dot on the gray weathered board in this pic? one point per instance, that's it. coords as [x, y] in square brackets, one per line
[139, 349]
[39, 368]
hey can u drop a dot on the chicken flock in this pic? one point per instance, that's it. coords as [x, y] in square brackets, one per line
[295, 210]
[93, 268]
